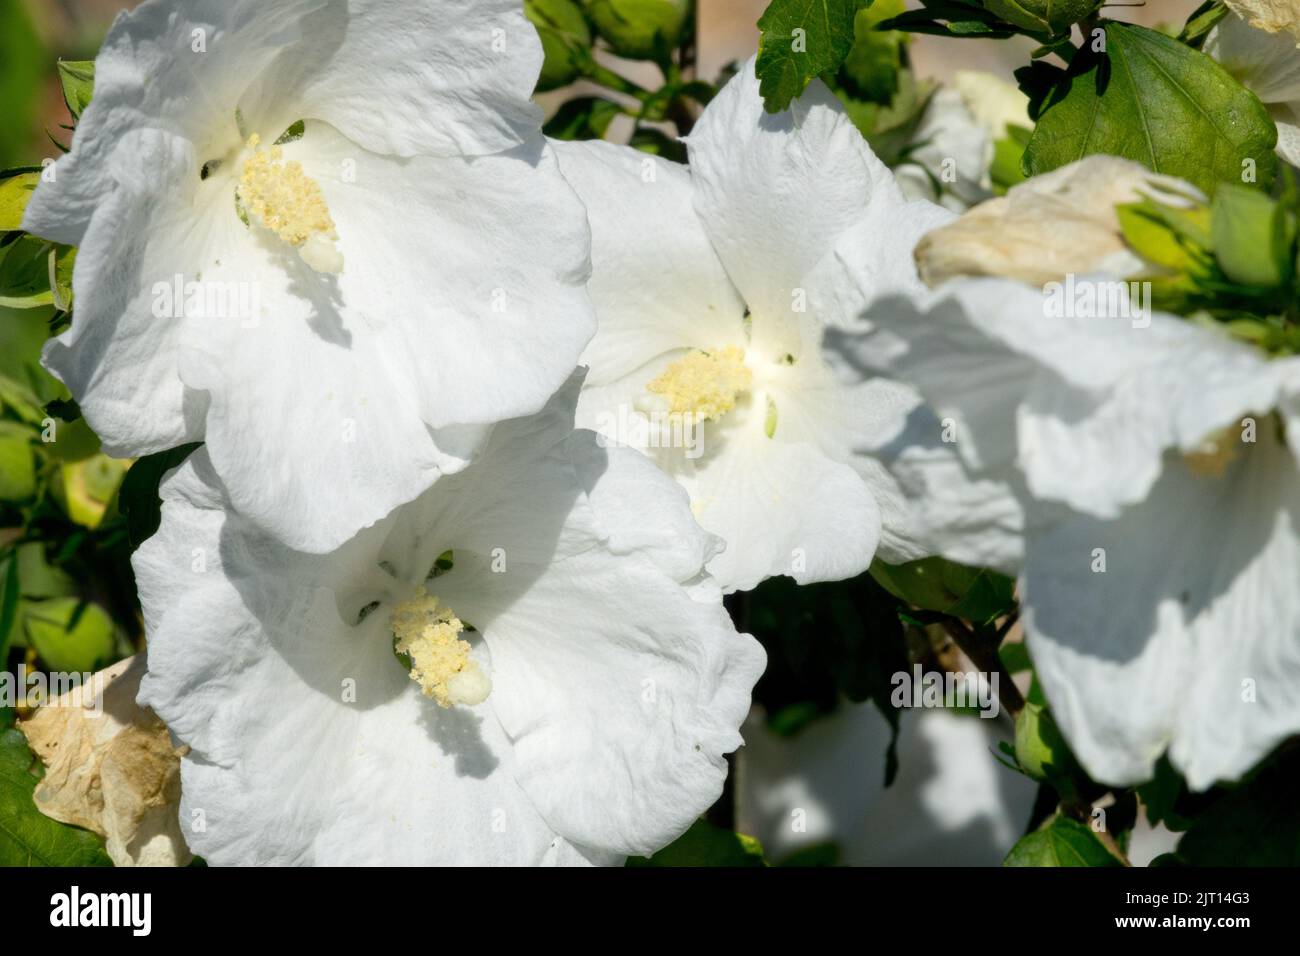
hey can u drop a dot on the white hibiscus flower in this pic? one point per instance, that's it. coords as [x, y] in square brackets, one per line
[1161, 500]
[1268, 64]
[574, 680]
[337, 313]
[712, 286]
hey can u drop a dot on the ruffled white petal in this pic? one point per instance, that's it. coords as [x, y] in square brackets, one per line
[1190, 638]
[1097, 399]
[618, 682]
[783, 507]
[326, 400]
[777, 192]
[656, 282]
[409, 77]
[309, 744]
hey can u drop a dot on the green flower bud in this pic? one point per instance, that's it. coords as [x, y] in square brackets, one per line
[636, 28]
[69, 634]
[565, 38]
[1041, 751]
[1043, 16]
[17, 463]
[88, 486]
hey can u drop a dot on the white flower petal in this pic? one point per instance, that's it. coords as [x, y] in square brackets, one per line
[433, 77]
[496, 317]
[783, 507]
[776, 192]
[930, 502]
[152, 86]
[251, 666]
[1100, 398]
[618, 681]
[656, 282]
[1197, 598]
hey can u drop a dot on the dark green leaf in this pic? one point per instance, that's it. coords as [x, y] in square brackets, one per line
[1255, 824]
[935, 584]
[706, 845]
[1152, 99]
[801, 39]
[859, 646]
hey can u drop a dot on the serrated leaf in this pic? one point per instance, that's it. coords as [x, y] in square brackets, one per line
[801, 39]
[27, 836]
[78, 80]
[1159, 102]
[1060, 842]
[707, 845]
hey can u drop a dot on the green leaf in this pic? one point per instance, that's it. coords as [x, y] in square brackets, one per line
[801, 39]
[1255, 824]
[137, 498]
[860, 645]
[78, 79]
[26, 270]
[873, 64]
[1060, 842]
[27, 836]
[70, 635]
[584, 117]
[1152, 99]
[15, 190]
[1046, 17]
[706, 845]
[935, 584]
[9, 598]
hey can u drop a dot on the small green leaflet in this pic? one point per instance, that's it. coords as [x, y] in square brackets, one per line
[1152, 99]
[801, 39]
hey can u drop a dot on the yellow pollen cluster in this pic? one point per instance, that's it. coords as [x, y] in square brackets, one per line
[429, 634]
[1215, 453]
[282, 198]
[704, 384]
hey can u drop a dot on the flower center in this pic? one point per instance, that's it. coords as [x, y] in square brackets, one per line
[704, 384]
[429, 634]
[1214, 454]
[282, 198]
